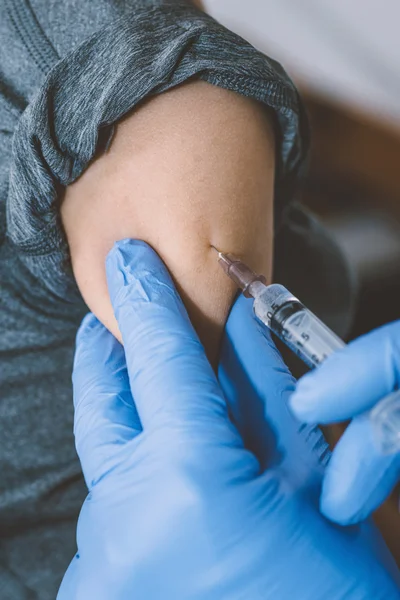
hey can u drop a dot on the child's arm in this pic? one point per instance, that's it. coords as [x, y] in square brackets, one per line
[189, 168]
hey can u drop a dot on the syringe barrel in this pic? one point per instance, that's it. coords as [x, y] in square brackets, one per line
[313, 342]
[294, 324]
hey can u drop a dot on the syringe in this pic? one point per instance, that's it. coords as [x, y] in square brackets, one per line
[306, 335]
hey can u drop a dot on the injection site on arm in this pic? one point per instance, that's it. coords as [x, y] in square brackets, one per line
[189, 168]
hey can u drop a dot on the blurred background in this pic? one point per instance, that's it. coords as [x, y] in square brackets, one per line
[345, 59]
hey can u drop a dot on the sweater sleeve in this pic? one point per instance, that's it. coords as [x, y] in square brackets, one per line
[70, 118]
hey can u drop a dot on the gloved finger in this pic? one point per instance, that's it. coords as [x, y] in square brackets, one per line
[105, 414]
[352, 380]
[257, 384]
[358, 477]
[171, 379]
[69, 584]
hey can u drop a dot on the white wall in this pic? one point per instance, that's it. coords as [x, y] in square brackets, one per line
[346, 49]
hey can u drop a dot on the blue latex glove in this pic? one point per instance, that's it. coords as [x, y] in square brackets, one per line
[178, 509]
[359, 476]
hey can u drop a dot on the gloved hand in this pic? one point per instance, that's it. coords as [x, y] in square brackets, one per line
[359, 476]
[178, 508]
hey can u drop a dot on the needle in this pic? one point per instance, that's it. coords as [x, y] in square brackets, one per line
[223, 259]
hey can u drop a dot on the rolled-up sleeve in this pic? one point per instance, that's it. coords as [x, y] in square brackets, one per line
[71, 117]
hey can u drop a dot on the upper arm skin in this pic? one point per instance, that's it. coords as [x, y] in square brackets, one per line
[188, 169]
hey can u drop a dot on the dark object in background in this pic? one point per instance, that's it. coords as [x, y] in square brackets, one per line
[370, 241]
[353, 185]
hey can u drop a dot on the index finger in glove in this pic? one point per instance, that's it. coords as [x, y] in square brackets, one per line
[359, 476]
[257, 385]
